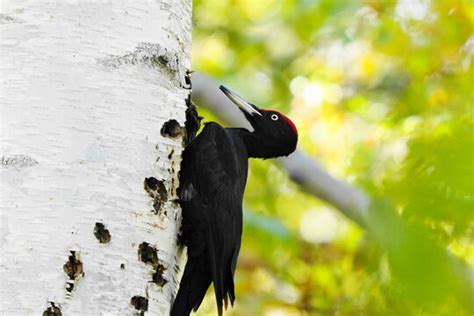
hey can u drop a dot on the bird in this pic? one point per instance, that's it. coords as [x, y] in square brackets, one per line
[213, 176]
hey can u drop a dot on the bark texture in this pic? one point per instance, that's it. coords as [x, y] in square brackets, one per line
[92, 109]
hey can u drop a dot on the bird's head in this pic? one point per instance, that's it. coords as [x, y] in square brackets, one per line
[274, 133]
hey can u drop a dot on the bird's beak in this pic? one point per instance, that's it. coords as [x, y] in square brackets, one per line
[244, 106]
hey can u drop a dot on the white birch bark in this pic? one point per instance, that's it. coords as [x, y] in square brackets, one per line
[85, 90]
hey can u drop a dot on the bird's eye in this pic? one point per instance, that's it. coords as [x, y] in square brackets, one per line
[274, 117]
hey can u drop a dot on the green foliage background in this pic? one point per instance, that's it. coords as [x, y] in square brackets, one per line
[382, 94]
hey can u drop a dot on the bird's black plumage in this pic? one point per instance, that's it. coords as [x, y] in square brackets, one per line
[212, 183]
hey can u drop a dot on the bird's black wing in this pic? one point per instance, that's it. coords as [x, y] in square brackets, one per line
[213, 190]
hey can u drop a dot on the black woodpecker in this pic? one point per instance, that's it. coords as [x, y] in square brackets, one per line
[212, 182]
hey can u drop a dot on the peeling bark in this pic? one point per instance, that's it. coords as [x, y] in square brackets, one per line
[86, 89]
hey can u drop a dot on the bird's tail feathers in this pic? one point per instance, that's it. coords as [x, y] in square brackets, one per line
[225, 293]
[230, 288]
[222, 279]
[193, 287]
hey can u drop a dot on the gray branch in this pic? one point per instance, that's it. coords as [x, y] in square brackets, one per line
[302, 169]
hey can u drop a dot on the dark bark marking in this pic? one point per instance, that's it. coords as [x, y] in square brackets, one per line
[74, 270]
[163, 59]
[172, 129]
[149, 255]
[158, 277]
[18, 161]
[4, 19]
[53, 310]
[157, 190]
[140, 303]
[101, 233]
[152, 55]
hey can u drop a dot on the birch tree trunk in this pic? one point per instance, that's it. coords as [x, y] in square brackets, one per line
[93, 103]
